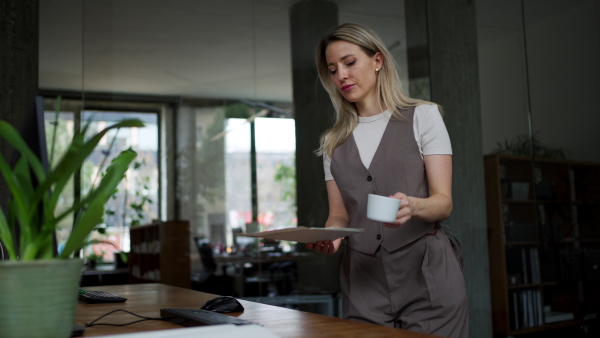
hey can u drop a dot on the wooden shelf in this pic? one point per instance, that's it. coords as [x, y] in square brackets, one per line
[160, 253]
[508, 200]
[524, 286]
[550, 217]
[522, 243]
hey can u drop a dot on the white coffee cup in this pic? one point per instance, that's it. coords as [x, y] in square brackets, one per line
[382, 209]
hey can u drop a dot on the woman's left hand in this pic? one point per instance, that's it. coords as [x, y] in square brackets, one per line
[404, 211]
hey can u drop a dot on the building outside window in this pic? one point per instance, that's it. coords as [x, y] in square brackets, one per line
[215, 173]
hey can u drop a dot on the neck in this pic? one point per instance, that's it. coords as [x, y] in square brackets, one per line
[369, 105]
[366, 110]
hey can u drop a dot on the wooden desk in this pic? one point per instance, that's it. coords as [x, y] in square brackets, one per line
[148, 299]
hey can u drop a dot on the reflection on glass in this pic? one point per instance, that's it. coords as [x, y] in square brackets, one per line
[136, 200]
[59, 132]
[237, 180]
[276, 150]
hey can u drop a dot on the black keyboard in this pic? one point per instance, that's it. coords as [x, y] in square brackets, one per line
[93, 297]
[199, 317]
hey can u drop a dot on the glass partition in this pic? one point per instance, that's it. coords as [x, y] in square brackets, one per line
[539, 76]
[218, 64]
[202, 58]
[135, 202]
[61, 46]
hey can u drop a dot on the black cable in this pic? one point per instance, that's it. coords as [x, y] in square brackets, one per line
[93, 323]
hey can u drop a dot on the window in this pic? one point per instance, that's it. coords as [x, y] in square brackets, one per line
[136, 199]
[275, 170]
[215, 173]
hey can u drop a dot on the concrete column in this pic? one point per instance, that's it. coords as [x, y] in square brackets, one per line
[313, 113]
[309, 21]
[442, 47]
[19, 31]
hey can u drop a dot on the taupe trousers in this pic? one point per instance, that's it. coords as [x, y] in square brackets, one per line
[406, 277]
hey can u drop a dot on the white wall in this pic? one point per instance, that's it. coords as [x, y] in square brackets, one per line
[563, 48]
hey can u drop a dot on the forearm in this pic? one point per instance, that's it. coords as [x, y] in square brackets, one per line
[337, 222]
[432, 209]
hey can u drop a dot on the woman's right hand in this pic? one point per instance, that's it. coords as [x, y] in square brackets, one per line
[338, 218]
[325, 247]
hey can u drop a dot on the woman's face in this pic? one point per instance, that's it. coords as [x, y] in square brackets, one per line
[353, 72]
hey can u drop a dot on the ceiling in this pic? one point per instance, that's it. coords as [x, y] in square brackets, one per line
[236, 49]
[188, 48]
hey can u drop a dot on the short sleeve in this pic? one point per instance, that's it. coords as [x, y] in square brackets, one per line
[430, 131]
[326, 167]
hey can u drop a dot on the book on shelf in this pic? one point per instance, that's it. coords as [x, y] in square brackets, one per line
[534, 263]
[556, 316]
[515, 311]
[538, 300]
[525, 266]
[523, 263]
[526, 309]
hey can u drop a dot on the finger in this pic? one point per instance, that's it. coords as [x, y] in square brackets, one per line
[329, 246]
[331, 249]
[391, 225]
[398, 195]
[320, 246]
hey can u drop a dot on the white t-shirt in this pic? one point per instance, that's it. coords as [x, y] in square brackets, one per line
[429, 129]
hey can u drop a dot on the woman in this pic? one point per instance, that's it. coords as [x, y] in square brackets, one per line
[404, 274]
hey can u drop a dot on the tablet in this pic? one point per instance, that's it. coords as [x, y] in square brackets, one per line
[304, 234]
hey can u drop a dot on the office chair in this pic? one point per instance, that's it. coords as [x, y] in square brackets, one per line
[208, 280]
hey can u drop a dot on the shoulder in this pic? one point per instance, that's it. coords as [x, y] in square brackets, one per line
[426, 110]
[427, 115]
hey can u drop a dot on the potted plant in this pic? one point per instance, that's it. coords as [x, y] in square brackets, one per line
[38, 290]
[93, 259]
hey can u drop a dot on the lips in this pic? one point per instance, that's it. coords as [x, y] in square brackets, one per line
[346, 88]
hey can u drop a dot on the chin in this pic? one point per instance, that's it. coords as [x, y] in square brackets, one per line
[350, 98]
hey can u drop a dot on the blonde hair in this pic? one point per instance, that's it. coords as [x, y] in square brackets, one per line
[389, 88]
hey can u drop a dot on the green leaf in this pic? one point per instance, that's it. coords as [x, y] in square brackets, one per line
[24, 201]
[6, 236]
[19, 200]
[92, 215]
[74, 157]
[18, 180]
[55, 124]
[40, 248]
[12, 136]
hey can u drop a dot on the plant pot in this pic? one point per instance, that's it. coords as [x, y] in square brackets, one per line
[38, 298]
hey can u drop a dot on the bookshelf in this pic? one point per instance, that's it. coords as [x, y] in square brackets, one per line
[160, 253]
[544, 242]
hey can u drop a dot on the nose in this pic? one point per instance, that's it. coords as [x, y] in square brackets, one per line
[342, 74]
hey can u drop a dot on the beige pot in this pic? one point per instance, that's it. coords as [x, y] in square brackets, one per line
[38, 298]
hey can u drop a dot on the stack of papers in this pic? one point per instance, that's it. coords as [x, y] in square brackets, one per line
[305, 235]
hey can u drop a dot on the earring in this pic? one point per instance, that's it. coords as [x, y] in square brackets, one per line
[376, 70]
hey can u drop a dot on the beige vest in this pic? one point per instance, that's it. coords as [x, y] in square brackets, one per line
[397, 166]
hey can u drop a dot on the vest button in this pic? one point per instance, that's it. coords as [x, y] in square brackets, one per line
[378, 237]
[369, 178]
